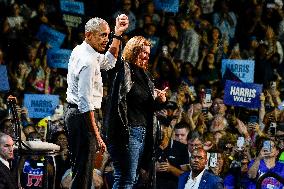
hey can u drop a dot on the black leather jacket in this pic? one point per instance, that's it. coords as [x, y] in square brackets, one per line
[115, 122]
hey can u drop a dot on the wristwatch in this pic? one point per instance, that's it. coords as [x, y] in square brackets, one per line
[119, 37]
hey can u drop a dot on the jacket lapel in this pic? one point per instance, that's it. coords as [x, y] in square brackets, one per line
[150, 83]
[126, 83]
[8, 175]
[204, 180]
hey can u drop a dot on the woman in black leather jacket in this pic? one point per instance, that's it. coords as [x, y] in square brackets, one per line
[130, 113]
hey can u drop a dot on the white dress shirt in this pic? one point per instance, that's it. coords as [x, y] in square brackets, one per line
[193, 183]
[85, 86]
[5, 162]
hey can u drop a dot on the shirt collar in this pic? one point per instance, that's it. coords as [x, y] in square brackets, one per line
[5, 162]
[89, 47]
[198, 178]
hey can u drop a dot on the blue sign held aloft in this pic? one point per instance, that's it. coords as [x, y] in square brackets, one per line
[58, 58]
[74, 7]
[242, 94]
[243, 69]
[4, 83]
[167, 5]
[40, 105]
[51, 36]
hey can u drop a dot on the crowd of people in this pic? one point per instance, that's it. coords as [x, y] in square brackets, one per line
[201, 142]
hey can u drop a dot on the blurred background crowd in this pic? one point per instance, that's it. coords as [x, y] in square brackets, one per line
[188, 47]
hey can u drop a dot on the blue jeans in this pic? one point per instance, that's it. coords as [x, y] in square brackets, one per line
[126, 160]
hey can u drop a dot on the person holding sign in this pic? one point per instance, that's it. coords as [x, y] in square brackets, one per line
[85, 92]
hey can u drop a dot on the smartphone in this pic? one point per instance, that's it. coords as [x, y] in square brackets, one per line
[204, 110]
[208, 95]
[267, 145]
[281, 106]
[213, 159]
[240, 143]
[253, 119]
[272, 128]
[165, 50]
[273, 85]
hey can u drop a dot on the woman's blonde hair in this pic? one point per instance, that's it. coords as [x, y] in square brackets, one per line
[132, 49]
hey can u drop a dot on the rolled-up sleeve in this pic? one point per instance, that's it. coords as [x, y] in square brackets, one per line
[85, 89]
[107, 61]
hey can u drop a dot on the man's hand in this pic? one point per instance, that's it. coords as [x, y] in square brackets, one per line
[121, 24]
[162, 166]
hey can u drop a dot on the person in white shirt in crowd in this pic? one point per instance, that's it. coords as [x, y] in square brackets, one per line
[7, 178]
[199, 177]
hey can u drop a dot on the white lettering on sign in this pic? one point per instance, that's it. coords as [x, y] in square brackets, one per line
[242, 94]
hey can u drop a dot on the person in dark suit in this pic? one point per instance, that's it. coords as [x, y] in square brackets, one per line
[7, 178]
[199, 177]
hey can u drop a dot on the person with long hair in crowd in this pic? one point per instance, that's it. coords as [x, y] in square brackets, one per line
[129, 118]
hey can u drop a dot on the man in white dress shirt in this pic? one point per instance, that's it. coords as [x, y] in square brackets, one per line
[7, 178]
[199, 177]
[85, 92]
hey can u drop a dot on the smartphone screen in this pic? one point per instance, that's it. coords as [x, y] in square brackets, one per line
[213, 159]
[240, 142]
[208, 95]
[267, 145]
[253, 119]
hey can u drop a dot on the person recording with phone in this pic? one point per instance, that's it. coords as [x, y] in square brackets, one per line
[173, 160]
[266, 161]
[130, 112]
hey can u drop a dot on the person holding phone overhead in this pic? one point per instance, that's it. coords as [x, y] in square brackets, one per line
[130, 112]
[266, 161]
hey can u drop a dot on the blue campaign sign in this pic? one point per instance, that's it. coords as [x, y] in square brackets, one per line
[242, 94]
[4, 83]
[167, 5]
[74, 7]
[51, 36]
[40, 105]
[243, 69]
[58, 58]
